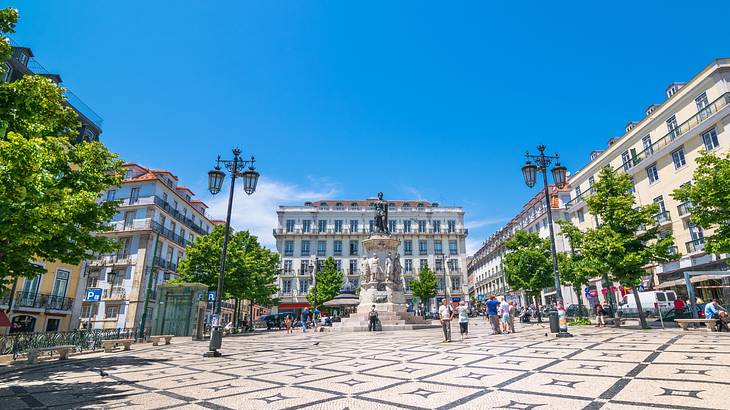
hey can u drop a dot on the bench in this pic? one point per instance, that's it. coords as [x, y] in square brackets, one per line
[63, 352]
[156, 339]
[111, 343]
[684, 323]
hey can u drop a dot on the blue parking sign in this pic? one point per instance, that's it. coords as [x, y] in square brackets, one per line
[93, 294]
[211, 296]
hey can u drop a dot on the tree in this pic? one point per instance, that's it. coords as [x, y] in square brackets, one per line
[628, 238]
[575, 269]
[49, 187]
[709, 197]
[527, 263]
[328, 281]
[425, 287]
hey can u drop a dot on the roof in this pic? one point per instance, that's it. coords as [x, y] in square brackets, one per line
[184, 188]
[366, 203]
[198, 201]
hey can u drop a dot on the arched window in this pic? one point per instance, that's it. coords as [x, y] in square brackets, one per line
[406, 205]
[354, 205]
[372, 205]
[391, 205]
[420, 205]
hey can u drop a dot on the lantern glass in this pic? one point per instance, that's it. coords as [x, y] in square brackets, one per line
[529, 172]
[559, 175]
[250, 179]
[215, 180]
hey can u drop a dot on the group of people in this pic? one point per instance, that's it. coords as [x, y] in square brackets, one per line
[501, 315]
[447, 314]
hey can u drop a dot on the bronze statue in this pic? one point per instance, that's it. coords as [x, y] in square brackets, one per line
[381, 215]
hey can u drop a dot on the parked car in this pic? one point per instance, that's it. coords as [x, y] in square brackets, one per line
[663, 299]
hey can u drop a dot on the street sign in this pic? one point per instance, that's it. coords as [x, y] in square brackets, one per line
[641, 288]
[93, 294]
[587, 292]
[481, 297]
[211, 296]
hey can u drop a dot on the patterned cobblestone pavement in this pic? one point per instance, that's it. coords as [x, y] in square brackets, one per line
[598, 368]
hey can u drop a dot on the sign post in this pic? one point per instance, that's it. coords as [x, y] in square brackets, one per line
[93, 295]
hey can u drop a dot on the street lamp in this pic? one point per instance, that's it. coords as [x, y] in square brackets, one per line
[250, 177]
[541, 162]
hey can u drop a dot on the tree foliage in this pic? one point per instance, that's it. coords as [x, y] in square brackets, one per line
[250, 268]
[425, 286]
[709, 195]
[628, 238]
[527, 263]
[575, 269]
[49, 187]
[329, 281]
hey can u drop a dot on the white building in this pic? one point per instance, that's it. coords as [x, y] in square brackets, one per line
[155, 213]
[308, 234]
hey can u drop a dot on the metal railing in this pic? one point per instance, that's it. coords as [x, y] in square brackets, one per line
[20, 343]
[119, 258]
[663, 217]
[164, 264]
[148, 224]
[696, 245]
[36, 300]
[115, 293]
[668, 138]
[156, 200]
[684, 208]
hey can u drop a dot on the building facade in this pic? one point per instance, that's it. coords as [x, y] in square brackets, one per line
[659, 152]
[429, 234]
[156, 220]
[486, 265]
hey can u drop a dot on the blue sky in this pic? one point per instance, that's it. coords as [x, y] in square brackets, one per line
[416, 99]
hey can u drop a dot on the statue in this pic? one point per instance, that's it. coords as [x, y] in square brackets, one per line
[389, 268]
[376, 273]
[367, 276]
[397, 271]
[381, 215]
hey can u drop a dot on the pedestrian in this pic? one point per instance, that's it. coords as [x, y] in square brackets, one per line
[287, 323]
[445, 315]
[315, 318]
[600, 315]
[493, 314]
[504, 315]
[305, 319]
[712, 311]
[372, 319]
[463, 320]
[512, 314]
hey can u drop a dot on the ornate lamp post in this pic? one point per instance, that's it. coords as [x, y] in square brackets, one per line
[529, 172]
[236, 167]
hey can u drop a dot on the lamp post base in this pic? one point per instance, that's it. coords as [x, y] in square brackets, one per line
[212, 353]
[563, 334]
[216, 337]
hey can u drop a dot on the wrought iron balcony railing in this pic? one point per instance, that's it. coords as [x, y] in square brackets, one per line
[696, 245]
[684, 208]
[39, 301]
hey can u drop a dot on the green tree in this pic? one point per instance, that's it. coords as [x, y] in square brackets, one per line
[49, 187]
[575, 269]
[709, 198]
[628, 238]
[425, 287]
[328, 281]
[528, 263]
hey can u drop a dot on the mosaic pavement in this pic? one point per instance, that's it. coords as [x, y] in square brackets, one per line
[598, 368]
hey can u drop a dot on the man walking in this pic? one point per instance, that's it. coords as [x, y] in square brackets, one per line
[315, 319]
[445, 314]
[493, 314]
[463, 320]
[305, 319]
[372, 319]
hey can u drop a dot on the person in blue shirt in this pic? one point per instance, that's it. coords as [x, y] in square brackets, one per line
[305, 319]
[493, 313]
[712, 311]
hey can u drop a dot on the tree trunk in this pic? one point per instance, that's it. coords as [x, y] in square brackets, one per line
[580, 302]
[642, 318]
[235, 313]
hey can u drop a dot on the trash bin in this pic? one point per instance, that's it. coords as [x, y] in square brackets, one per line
[554, 321]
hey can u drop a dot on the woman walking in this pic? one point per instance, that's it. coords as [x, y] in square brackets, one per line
[287, 323]
[600, 315]
[463, 320]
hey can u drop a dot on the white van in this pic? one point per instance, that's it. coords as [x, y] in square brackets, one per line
[665, 300]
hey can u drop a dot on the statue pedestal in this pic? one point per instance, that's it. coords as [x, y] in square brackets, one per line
[382, 286]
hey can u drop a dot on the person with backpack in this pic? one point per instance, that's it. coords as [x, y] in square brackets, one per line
[372, 319]
[445, 315]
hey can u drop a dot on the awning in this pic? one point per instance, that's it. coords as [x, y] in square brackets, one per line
[4, 321]
[293, 305]
[693, 279]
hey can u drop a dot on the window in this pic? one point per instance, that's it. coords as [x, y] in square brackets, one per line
[288, 265]
[678, 158]
[422, 247]
[338, 225]
[577, 193]
[7, 71]
[591, 181]
[52, 325]
[710, 140]
[581, 216]
[439, 265]
[353, 266]
[338, 265]
[453, 265]
[305, 248]
[353, 247]
[438, 247]
[660, 201]
[304, 285]
[353, 225]
[134, 195]
[451, 226]
[421, 226]
[437, 226]
[423, 263]
[455, 283]
[409, 265]
[648, 148]
[391, 226]
[322, 225]
[652, 173]
[633, 186]
[702, 105]
[306, 225]
[408, 247]
[321, 248]
[303, 267]
[453, 247]
[672, 127]
[286, 286]
[111, 194]
[60, 284]
[290, 225]
[407, 226]
[111, 312]
[626, 160]
[288, 248]
[338, 247]
[695, 231]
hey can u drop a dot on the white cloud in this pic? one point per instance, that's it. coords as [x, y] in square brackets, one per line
[257, 213]
[479, 223]
[472, 246]
[413, 191]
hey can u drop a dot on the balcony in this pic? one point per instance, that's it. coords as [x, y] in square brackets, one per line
[114, 259]
[673, 250]
[663, 217]
[164, 264]
[684, 208]
[39, 301]
[147, 225]
[169, 209]
[115, 293]
[696, 245]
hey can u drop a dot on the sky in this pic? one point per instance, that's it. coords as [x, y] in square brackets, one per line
[339, 100]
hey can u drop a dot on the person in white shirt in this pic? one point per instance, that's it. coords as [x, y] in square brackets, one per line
[504, 312]
[445, 314]
[463, 320]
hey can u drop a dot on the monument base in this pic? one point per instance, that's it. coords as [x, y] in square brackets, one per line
[391, 317]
